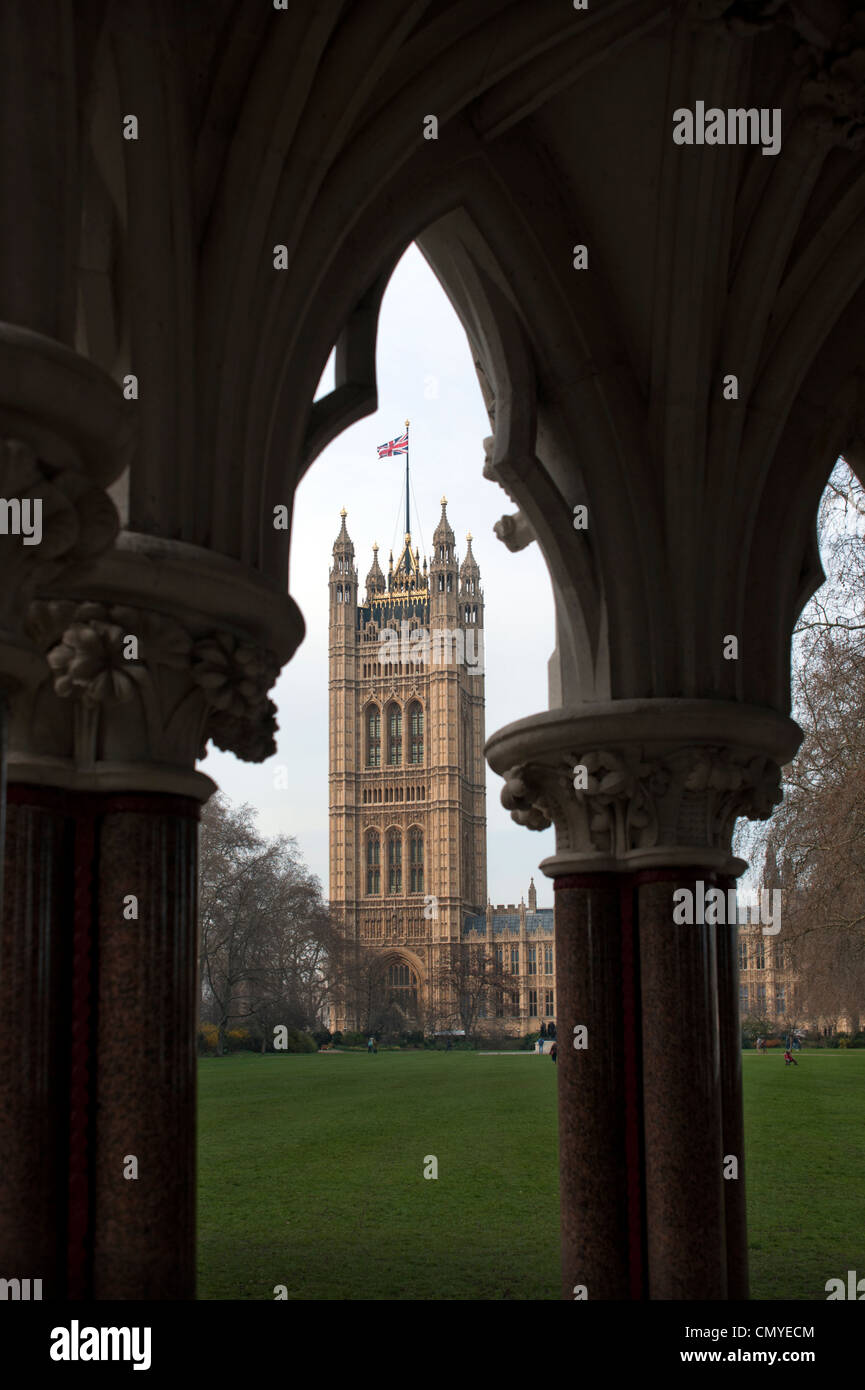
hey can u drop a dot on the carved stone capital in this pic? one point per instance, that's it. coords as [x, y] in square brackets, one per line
[643, 784]
[829, 49]
[832, 98]
[135, 690]
[65, 432]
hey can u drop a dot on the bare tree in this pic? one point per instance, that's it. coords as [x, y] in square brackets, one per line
[265, 931]
[814, 846]
[470, 984]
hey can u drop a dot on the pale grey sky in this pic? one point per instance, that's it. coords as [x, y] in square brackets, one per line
[425, 374]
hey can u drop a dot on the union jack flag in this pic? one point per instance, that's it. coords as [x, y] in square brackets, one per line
[394, 446]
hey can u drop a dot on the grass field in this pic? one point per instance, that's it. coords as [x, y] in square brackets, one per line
[311, 1175]
[805, 1171]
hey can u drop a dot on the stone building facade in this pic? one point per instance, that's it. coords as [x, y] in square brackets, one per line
[522, 942]
[769, 987]
[407, 786]
[407, 776]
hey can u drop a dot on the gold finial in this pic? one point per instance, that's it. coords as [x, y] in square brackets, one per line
[407, 537]
[343, 512]
[407, 423]
[375, 547]
[444, 501]
[468, 536]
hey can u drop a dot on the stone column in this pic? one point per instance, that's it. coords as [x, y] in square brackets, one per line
[599, 1137]
[649, 1083]
[65, 434]
[166, 647]
[732, 1118]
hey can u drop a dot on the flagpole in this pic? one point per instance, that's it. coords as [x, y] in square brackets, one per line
[408, 519]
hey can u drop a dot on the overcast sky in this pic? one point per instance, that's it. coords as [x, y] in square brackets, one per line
[425, 374]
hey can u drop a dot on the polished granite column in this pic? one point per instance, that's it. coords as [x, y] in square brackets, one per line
[732, 1117]
[108, 741]
[35, 967]
[681, 1094]
[99, 1068]
[143, 1136]
[599, 1090]
[644, 795]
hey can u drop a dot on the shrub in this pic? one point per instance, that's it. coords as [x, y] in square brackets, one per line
[208, 1034]
[296, 1041]
[337, 1039]
[322, 1035]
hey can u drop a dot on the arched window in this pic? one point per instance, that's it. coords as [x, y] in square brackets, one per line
[339, 593]
[415, 719]
[450, 584]
[373, 736]
[468, 743]
[394, 736]
[394, 862]
[373, 867]
[402, 986]
[416, 860]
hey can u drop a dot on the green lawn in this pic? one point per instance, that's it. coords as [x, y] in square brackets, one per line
[805, 1170]
[311, 1175]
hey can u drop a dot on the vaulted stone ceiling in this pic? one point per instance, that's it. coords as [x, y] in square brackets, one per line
[305, 128]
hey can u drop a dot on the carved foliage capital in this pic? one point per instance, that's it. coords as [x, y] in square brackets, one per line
[142, 687]
[630, 803]
[52, 517]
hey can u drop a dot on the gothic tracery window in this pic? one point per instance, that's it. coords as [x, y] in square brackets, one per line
[416, 860]
[394, 738]
[415, 714]
[394, 862]
[373, 869]
[373, 736]
[402, 986]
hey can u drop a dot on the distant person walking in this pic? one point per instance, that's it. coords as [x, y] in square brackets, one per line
[540, 1046]
[554, 1051]
[370, 1047]
[788, 1058]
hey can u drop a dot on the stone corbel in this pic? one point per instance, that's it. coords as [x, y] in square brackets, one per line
[515, 531]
